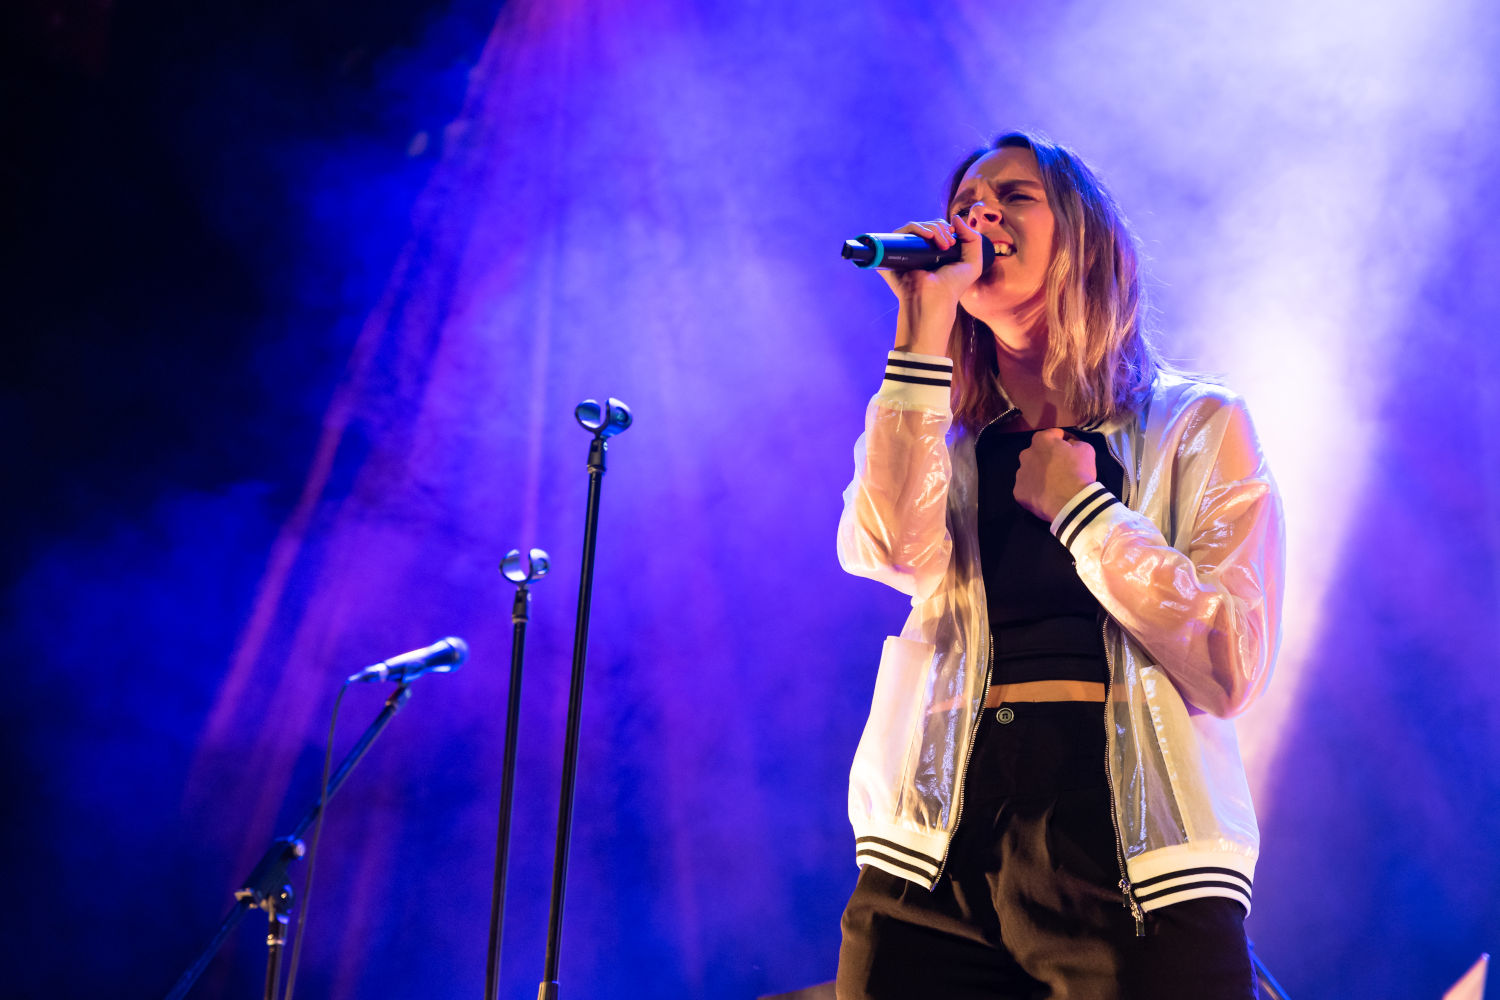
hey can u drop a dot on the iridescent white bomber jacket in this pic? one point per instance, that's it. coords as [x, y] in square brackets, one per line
[1187, 566]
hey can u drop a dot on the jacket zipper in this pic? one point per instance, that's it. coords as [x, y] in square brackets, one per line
[1109, 739]
[1109, 775]
[989, 666]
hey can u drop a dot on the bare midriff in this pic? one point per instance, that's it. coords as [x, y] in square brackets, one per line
[1000, 694]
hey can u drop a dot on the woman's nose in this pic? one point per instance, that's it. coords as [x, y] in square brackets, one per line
[980, 211]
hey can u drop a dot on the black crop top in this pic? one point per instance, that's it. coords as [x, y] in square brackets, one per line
[1044, 620]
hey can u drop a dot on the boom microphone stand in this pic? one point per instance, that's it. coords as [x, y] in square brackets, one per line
[604, 422]
[265, 887]
[510, 567]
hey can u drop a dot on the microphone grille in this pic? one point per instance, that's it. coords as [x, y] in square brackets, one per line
[459, 650]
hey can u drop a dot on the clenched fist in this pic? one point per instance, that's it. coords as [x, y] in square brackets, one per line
[1053, 468]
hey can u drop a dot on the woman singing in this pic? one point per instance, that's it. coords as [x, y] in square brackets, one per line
[1048, 799]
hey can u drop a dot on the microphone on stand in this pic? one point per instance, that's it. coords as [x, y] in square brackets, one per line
[909, 252]
[441, 657]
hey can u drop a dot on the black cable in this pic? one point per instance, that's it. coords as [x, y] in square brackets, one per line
[299, 917]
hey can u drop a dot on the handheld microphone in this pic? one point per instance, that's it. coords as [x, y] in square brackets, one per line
[907, 252]
[441, 657]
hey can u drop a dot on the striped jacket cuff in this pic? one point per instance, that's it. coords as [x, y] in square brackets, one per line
[1089, 507]
[922, 380]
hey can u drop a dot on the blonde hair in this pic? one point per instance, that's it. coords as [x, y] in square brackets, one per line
[1098, 351]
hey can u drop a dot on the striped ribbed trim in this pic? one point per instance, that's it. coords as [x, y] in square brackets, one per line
[1078, 512]
[1193, 883]
[921, 369]
[1176, 874]
[923, 380]
[896, 859]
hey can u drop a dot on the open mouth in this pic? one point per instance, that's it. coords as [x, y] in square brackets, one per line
[1005, 250]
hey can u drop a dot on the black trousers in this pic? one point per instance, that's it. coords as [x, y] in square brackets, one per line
[1029, 904]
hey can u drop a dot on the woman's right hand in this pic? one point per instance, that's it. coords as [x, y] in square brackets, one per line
[929, 299]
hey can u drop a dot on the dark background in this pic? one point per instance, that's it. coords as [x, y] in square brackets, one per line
[202, 204]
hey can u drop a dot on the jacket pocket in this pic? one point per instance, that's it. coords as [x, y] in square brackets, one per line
[884, 758]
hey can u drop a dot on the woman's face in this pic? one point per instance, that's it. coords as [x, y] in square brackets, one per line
[1002, 196]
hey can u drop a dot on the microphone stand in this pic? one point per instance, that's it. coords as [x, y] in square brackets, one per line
[265, 887]
[278, 909]
[536, 568]
[604, 421]
[1264, 981]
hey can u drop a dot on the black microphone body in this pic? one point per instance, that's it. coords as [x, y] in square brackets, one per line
[907, 252]
[441, 657]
